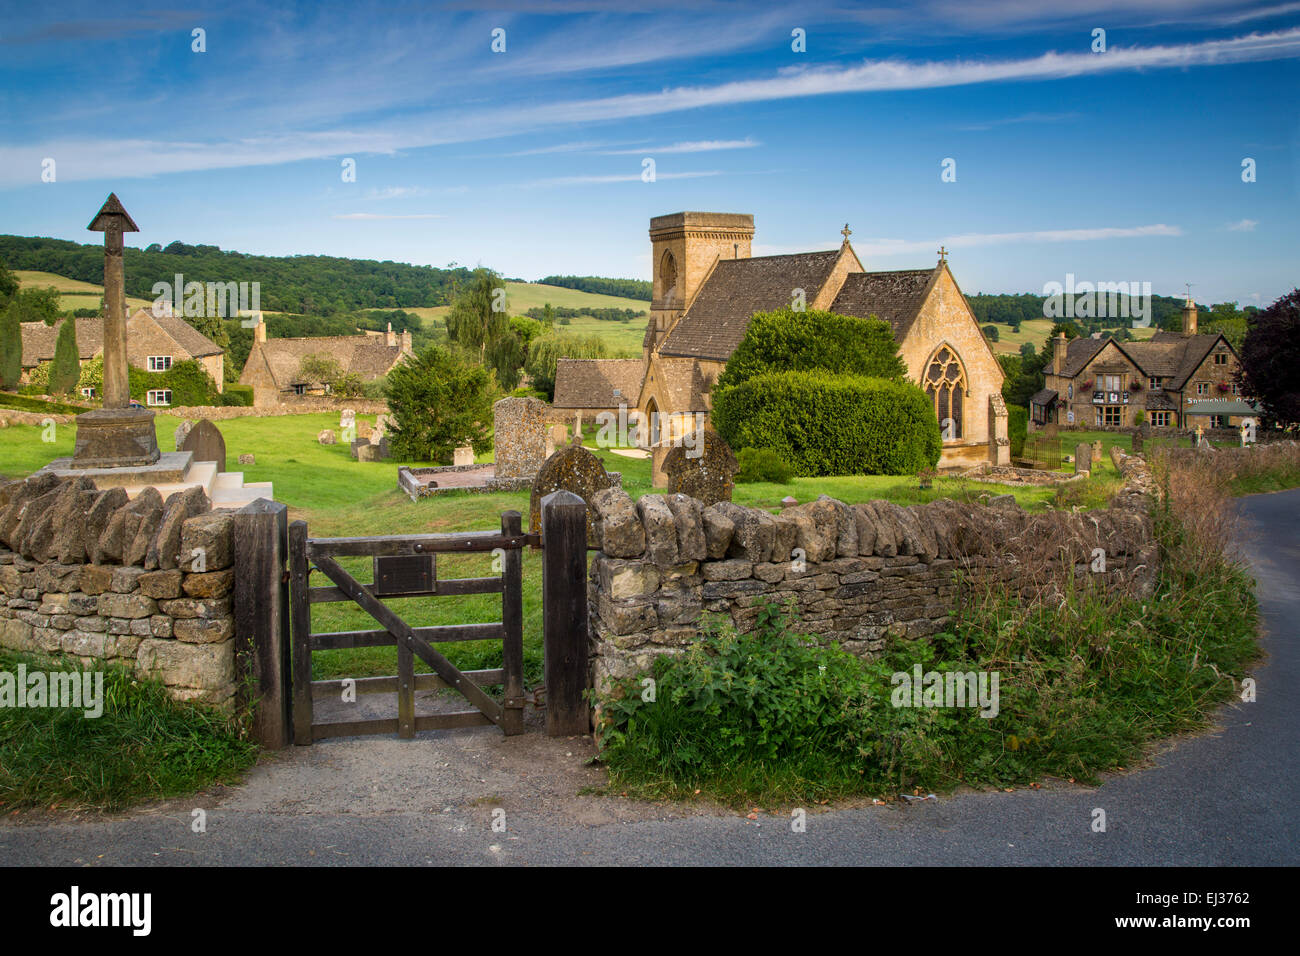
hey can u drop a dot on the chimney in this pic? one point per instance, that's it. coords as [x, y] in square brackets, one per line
[259, 330]
[1189, 317]
[1058, 354]
[389, 338]
[406, 340]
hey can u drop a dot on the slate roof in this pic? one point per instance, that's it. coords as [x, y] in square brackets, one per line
[737, 288]
[185, 335]
[896, 297]
[1044, 397]
[364, 355]
[1167, 355]
[1160, 401]
[590, 383]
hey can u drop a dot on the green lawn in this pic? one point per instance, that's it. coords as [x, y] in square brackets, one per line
[73, 293]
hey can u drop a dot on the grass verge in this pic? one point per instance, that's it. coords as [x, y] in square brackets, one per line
[143, 747]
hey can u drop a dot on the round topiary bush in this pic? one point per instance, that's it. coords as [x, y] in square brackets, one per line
[824, 424]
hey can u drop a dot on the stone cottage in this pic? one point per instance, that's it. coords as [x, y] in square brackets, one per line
[273, 365]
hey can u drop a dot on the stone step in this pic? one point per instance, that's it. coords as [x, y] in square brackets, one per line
[229, 479]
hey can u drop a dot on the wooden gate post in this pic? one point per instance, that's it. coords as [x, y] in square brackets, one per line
[301, 604]
[564, 611]
[261, 611]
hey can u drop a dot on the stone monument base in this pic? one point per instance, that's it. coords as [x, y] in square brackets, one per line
[115, 438]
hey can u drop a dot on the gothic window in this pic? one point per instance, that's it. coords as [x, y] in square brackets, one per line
[945, 383]
[668, 278]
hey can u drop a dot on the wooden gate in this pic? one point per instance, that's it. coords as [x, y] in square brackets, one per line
[404, 566]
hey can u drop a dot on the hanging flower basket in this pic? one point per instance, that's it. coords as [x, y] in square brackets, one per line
[1085, 385]
[1223, 388]
[1135, 386]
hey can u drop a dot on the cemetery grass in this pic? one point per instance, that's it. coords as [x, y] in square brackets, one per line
[143, 747]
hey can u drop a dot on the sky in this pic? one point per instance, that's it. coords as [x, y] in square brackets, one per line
[1114, 161]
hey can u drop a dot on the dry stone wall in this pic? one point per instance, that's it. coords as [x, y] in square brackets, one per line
[860, 575]
[145, 584]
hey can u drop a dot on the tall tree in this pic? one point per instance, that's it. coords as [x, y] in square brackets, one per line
[478, 312]
[67, 362]
[8, 284]
[11, 347]
[1270, 359]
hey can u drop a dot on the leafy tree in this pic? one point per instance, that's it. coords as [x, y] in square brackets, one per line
[991, 332]
[546, 350]
[8, 284]
[786, 340]
[11, 344]
[478, 317]
[626, 288]
[1227, 319]
[548, 315]
[212, 326]
[1270, 359]
[439, 402]
[67, 362]
[38, 305]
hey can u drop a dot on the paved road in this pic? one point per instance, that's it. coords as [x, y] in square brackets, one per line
[1226, 797]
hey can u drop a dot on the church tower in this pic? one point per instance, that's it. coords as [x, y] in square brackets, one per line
[684, 247]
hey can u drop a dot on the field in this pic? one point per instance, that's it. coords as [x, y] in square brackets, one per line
[73, 294]
[1035, 332]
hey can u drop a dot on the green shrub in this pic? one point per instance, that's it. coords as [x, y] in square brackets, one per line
[189, 384]
[67, 362]
[786, 340]
[237, 395]
[824, 424]
[763, 464]
[11, 347]
[1017, 428]
[439, 401]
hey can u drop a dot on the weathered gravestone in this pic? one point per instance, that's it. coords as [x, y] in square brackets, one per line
[357, 444]
[702, 466]
[464, 455]
[1082, 458]
[519, 437]
[1136, 444]
[205, 441]
[248, 459]
[1096, 450]
[326, 436]
[182, 430]
[1050, 430]
[347, 417]
[572, 468]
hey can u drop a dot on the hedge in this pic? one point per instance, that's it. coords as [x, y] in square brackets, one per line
[826, 424]
[237, 395]
[786, 340]
[1017, 428]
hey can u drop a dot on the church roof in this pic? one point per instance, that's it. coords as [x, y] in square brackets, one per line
[591, 383]
[737, 288]
[896, 297]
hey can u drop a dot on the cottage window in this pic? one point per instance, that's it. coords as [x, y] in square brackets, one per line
[945, 383]
[1111, 415]
[1220, 358]
[1202, 388]
[88, 392]
[159, 396]
[1069, 391]
[1160, 419]
[300, 389]
[1155, 383]
[160, 363]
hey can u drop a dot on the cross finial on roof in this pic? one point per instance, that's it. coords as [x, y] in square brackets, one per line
[943, 254]
[1189, 290]
[846, 232]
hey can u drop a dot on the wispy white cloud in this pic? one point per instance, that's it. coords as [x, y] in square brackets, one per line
[380, 215]
[1243, 225]
[582, 146]
[1013, 120]
[968, 240]
[397, 192]
[696, 146]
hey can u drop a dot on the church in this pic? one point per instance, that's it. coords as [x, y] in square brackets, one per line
[706, 287]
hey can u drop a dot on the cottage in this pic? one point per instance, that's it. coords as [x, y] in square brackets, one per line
[273, 366]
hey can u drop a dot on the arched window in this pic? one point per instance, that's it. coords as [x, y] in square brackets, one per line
[668, 278]
[944, 381]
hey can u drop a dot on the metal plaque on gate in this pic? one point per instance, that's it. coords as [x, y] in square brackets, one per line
[405, 574]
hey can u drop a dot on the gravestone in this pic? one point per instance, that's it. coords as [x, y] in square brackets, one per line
[1082, 458]
[364, 430]
[248, 459]
[326, 437]
[1137, 443]
[572, 468]
[206, 443]
[182, 430]
[1050, 430]
[347, 417]
[702, 466]
[519, 437]
[357, 444]
[1096, 450]
[381, 428]
[464, 455]
[556, 436]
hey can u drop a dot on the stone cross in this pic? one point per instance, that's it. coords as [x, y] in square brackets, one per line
[112, 220]
[943, 254]
[846, 232]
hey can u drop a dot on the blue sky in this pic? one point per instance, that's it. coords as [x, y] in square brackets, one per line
[1122, 165]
